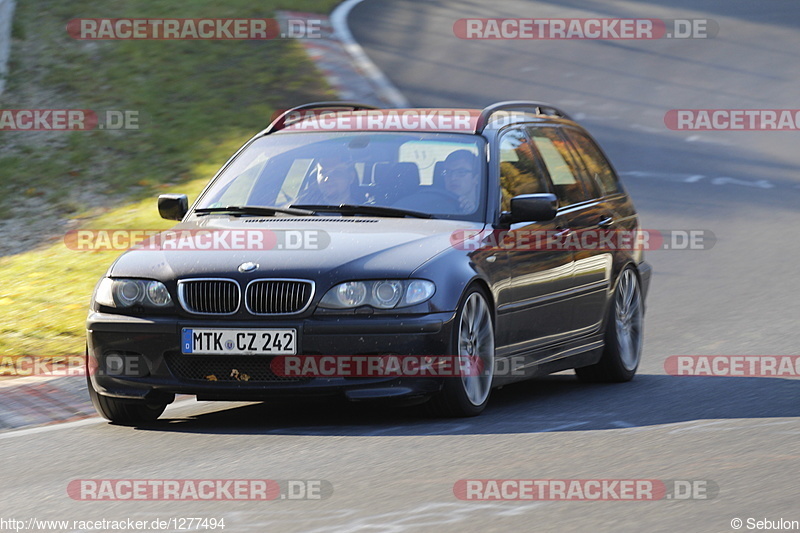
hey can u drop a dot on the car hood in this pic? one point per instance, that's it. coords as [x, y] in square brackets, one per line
[297, 247]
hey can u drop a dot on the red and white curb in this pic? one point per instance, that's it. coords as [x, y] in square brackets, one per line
[39, 400]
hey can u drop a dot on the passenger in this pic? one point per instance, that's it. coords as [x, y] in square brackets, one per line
[462, 178]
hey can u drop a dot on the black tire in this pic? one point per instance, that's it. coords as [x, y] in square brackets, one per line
[454, 400]
[620, 360]
[124, 412]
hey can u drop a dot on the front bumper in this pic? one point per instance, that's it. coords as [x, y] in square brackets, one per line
[154, 368]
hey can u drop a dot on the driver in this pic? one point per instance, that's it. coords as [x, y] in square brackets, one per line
[461, 178]
[334, 184]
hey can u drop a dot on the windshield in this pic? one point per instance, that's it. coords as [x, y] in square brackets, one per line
[436, 173]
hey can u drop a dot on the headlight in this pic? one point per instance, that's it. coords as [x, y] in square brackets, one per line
[351, 294]
[386, 294]
[128, 292]
[157, 294]
[418, 291]
[381, 294]
[123, 293]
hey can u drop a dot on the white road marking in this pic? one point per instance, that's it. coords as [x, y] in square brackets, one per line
[694, 178]
[386, 90]
[729, 425]
[562, 426]
[763, 184]
[78, 423]
[622, 424]
[54, 427]
[29, 380]
[448, 430]
[701, 139]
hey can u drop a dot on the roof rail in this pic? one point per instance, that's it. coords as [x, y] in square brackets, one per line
[280, 122]
[539, 108]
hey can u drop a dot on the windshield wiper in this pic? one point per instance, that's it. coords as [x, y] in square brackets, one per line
[352, 209]
[253, 210]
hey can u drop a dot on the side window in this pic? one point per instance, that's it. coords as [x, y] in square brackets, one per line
[294, 179]
[237, 191]
[563, 173]
[597, 166]
[519, 170]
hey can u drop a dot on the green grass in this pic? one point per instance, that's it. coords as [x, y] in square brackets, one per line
[200, 100]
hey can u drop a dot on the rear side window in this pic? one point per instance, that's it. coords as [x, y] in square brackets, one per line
[597, 166]
[564, 175]
[519, 171]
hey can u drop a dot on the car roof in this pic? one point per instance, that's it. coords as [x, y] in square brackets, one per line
[347, 116]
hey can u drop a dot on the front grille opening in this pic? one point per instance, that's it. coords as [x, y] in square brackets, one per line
[278, 297]
[210, 296]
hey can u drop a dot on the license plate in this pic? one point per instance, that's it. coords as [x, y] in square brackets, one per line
[239, 341]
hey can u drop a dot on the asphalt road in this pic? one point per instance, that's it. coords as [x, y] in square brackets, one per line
[394, 470]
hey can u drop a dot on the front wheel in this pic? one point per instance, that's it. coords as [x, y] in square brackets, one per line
[124, 412]
[473, 344]
[623, 336]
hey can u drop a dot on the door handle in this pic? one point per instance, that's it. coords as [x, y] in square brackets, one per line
[605, 222]
[562, 232]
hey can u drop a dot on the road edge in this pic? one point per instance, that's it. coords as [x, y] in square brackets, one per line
[385, 88]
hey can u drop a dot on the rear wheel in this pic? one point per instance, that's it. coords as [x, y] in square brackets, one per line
[124, 412]
[473, 343]
[623, 336]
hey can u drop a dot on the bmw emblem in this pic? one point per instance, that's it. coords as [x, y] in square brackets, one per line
[247, 267]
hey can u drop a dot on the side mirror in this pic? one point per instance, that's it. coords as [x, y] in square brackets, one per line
[173, 206]
[532, 207]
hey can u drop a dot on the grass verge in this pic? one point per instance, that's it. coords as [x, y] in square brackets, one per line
[199, 100]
